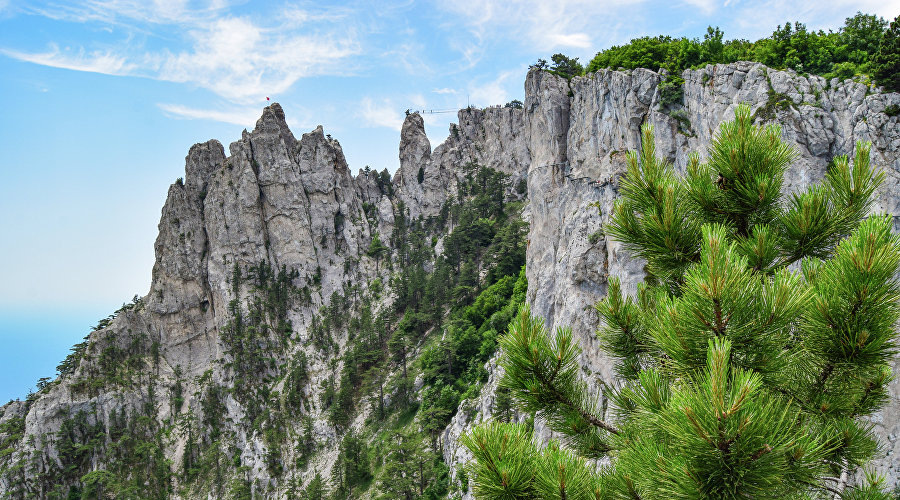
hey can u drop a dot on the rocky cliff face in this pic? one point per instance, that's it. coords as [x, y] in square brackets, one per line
[275, 203]
[577, 135]
[291, 204]
[190, 361]
[491, 136]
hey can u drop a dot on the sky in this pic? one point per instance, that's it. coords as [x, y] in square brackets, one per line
[100, 101]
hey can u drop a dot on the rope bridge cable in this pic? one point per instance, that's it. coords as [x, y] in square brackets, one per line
[432, 111]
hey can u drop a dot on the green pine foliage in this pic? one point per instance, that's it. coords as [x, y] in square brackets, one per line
[504, 460]
[565, 66]
[315, 490]
[377, 250]
[129, 443]
[749, 360]
[100, 452]
[887, 59]
[454, 368]
[406, 467]
[352, 469]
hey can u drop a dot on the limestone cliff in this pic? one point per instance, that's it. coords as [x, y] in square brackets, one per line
[284, 217]
[255, 248]
[577, 134]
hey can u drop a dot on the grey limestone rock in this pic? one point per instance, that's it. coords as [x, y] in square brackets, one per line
[577, 134]
[294, 203]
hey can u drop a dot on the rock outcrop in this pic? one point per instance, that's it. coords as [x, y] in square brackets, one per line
[577, 134]
[293, 205]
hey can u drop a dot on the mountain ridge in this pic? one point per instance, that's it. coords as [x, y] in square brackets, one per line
[281, 204]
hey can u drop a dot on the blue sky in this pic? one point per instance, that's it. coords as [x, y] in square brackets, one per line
[101, 99]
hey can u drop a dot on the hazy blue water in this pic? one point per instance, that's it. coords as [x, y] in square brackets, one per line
[33, 342]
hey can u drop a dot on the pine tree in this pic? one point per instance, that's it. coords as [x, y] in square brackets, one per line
[316, 489]
[377, 250]
[887, 59]
[402, 474]
[503, 405]
[352, 468]
[748, 360]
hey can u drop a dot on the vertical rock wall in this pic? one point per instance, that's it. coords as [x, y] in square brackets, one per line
[577, 133]
[294, 203]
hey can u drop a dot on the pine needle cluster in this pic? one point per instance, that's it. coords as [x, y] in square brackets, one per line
[750, 359]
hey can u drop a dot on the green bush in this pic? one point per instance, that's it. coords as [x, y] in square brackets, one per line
[862, 46]
[671, 92]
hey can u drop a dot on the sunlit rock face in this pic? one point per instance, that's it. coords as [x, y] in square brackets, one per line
[294, 204]
[577, 133]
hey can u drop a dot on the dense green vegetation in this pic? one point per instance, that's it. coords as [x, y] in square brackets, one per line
[865, 45]
[443, 326]
[887, 60]
[563, 65]
[741, 377]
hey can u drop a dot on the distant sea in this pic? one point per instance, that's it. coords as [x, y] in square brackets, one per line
[33, 342]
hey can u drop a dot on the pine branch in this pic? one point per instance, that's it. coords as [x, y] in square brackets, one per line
[821, 487]
[543, 373]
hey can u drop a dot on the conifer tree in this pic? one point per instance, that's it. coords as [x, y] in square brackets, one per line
[402, 476]
[749, 359]
[352, 467]
[887, 59]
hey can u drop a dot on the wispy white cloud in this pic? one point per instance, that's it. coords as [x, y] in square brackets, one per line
[93, 62]
[444, 90]
[707, 6]
[117, 12]
[410, 57]
[245, 117]
[381, 114]
[493, 92]
[292, 15]
[240, 60]
[577, 40]
[418, 100]
[237, 58]
[547, 25]
[471, 50]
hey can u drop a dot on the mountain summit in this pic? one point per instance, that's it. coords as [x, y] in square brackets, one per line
[310, 329]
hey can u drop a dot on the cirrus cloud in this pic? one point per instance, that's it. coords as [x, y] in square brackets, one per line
[106, 62]
[381, 114]
[237, 58]
[240, 61]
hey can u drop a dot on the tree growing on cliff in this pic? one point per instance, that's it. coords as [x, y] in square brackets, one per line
[352, 467]
[404, 474]
[377, 250]
[740, 377]
[841, 53]
[566, 66]
[887, 60]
